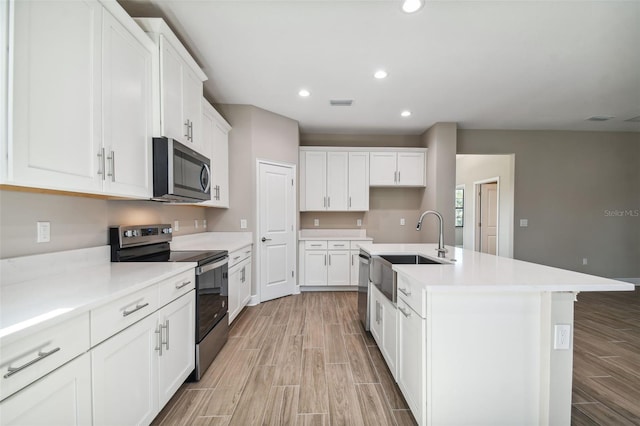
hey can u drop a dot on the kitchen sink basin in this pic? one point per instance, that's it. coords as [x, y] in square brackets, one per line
[409, 259]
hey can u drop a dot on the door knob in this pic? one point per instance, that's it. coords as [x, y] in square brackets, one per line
[265, 239]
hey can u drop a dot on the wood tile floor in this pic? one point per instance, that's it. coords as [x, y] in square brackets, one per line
[305, 360]
[298, 360]
[606, 361]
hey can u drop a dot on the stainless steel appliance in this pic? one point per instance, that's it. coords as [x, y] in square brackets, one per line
[363, 288]
[150, 243]
[383, 277]
[179, 173]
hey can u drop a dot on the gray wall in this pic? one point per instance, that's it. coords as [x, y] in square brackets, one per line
[79, 222]
[567, 184]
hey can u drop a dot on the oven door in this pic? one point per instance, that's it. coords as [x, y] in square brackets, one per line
[212, 291]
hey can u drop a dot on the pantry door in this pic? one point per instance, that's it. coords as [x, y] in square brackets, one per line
[276, 230]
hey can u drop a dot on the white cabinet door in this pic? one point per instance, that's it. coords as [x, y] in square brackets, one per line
[171, 122]
[358, 181]
[383, 168]
[315, 181]
[234, 284]
[411, 168]
[62, 397]
[355, 267]
[337, 175]
[339, 266]
[215, 142]
[315, 267]
[177, 359]
[125, 376]
[375, 314]
[56, 58]
[389, 334]
[411, 375]
[244, 293]
[192, 107]
[126, 111]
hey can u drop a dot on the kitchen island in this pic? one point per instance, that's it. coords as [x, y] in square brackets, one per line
[483, 340]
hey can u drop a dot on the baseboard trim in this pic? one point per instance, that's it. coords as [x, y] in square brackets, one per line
[328, 288]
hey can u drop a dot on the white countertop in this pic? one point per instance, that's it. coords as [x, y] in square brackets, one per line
[229, 241]
[28, 301]
[474, 271]
[333, 234]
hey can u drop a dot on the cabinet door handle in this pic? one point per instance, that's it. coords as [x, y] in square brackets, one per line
[101, 163]
[159, 333]
[183, 284]
[41, 355]
[349, 201]
[395, 177]
[404, 291]
[328, 202]
[136, 309]
[166, 333]
[398, 176]
[324, 202]
[404, 312]
[186, 126]
[112, 164]
[329, 260]
[325, 260]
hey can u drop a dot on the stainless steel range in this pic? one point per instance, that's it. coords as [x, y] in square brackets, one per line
[150, 243]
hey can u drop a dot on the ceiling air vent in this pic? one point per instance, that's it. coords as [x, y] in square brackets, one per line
[634, 119]
[600, 118]
[341, 102]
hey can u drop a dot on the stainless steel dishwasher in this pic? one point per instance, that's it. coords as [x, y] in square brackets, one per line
[363, 288]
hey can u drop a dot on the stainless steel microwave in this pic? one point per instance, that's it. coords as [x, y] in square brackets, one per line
[179, 173]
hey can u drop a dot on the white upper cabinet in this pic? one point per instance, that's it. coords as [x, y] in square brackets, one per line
[334, 180]
[398, 168]
[215, 143]
[178, 109]
[80, 104]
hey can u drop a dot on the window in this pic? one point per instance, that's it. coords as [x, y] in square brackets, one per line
[459, 207]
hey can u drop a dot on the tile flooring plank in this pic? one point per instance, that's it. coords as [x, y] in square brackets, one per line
[219, 402]
[238, 369]
[289, 362]
[313, 333]
[296, 321]
[374, 407]
[361, 366]
[601, 415]
[335, 350]
[344, 408]
[251, 407]
[182, 411]
[312, 420]
[404, 418]
[391, 389]
[243, 323]
[211, 421]
[282, 407]
[255, 337]
[281, 315]
[212, 375]
[313, 387]
[329, 311]
[272, 344]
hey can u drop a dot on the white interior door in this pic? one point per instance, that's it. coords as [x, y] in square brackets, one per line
[276, 230]
[488, 217]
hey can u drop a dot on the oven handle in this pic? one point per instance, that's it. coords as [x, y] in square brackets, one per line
[208, 267]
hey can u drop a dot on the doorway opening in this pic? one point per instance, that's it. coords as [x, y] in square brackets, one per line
[487, 215]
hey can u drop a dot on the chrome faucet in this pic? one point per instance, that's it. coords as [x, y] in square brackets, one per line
[441, 250]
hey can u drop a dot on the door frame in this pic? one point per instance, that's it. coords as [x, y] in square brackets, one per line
[477, 238]
[257, 271]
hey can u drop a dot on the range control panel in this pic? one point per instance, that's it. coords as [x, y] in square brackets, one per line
[138, 235]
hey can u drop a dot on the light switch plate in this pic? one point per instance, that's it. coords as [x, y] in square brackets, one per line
[562, 337]
[402, 222]
[524, 223]
[243, 223]
[43, 232]
[316, 222]
[359, 222]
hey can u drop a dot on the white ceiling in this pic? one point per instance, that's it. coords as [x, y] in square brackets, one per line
[482, 64]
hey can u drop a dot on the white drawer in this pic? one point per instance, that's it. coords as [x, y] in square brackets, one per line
[36, 354]
[315, 245]
[338, 245]
[413, 294]
[174, 287]
[239, 255]
[107, 320]
[353, 245]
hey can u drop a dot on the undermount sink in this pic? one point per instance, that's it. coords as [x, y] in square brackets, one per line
[409, 259]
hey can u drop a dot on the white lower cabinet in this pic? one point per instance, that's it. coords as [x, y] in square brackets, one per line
[338, 267]
[239, 283]
[354, 268]
[137, 371]
[412, 359]
[383, 327]
[329, 263]
[62, 397]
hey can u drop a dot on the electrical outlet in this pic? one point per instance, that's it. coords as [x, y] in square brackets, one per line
[243, 223]
[195, 223]
[402, 221]
[43, 232]
[176, 225]
[316, 222]
[562, 337]
[204, 223]
[359, 222]
[524, 223]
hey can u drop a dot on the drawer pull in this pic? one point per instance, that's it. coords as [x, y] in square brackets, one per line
[136, 309]
[41, 355]
[405, 313]
[184, 284]
[405, 292]
[338, 245]
[316, 245]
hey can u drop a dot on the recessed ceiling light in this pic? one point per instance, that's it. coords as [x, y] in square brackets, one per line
[304, 93]
[411, 6]
[405, 113]
[380, 74]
